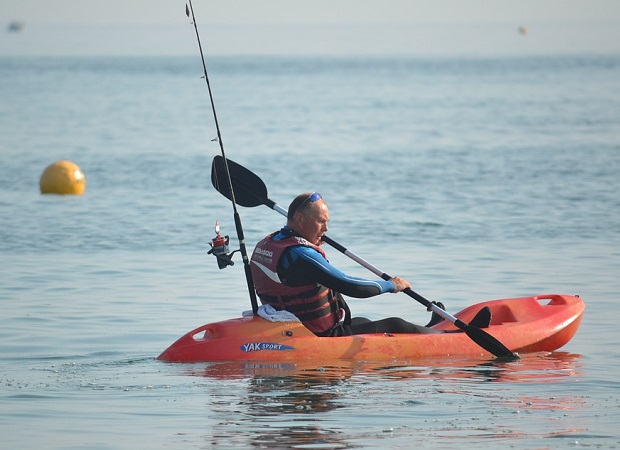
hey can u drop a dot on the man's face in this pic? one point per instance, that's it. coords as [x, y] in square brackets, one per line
[311, 224]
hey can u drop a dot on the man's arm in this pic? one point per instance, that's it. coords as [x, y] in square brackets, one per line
[302, 265]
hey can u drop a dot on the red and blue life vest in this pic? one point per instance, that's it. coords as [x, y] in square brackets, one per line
[315, 305]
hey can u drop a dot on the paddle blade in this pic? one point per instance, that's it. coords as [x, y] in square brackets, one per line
[249, 189]
[486, 341]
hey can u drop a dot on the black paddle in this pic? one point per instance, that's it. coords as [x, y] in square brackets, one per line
[250, 191]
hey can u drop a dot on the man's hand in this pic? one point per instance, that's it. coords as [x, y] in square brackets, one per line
[400, 284]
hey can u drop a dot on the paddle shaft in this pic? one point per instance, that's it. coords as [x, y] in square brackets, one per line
[361, 261]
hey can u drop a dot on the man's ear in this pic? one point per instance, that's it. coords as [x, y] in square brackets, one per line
[297, 218]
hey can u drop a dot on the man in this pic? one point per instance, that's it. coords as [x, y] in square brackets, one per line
[291, 272]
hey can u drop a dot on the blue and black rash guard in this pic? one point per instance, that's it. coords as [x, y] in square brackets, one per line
[300, 265]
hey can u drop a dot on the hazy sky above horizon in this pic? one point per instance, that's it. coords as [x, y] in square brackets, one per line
[320, 26]
[303, 12]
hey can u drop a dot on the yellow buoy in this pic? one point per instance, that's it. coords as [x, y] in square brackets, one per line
[62, 177]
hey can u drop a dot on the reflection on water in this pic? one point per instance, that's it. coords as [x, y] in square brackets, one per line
[535, 367]
[283, 413]
[297, 405]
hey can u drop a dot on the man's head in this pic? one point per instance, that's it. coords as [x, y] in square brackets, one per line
[308, 216]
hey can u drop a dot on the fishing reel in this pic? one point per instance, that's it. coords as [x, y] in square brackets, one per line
[219, 249]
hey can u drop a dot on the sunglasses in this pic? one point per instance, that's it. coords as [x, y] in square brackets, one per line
[312, 198]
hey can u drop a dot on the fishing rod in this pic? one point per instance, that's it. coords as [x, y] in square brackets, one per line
[220, 250]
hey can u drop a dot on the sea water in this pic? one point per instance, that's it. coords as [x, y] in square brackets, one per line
[473, 177]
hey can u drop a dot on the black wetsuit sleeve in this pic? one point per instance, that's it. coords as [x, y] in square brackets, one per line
[303, 265]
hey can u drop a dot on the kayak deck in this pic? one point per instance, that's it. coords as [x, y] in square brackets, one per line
[524, 325]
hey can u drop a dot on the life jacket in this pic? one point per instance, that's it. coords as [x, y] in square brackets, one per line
[317, 306]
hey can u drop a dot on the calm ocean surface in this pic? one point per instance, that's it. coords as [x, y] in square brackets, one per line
[475, 178]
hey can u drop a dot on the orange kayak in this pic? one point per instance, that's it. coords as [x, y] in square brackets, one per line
[524, 325]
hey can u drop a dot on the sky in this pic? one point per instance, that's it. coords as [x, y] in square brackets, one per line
[319, 26]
